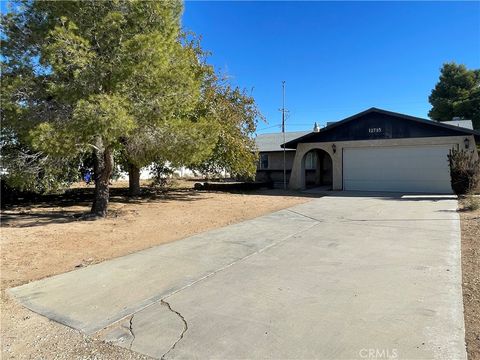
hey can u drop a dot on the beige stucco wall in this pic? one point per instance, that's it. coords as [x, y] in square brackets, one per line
[275, 160]
[297, 180]
[274, 172]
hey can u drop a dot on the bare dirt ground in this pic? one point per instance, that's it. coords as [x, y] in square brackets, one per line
[45, 239]
[471, 280]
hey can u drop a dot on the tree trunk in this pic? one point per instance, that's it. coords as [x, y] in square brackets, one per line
[133, 180]
[103, 167]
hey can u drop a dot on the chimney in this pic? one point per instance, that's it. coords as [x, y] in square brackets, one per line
[316, 128]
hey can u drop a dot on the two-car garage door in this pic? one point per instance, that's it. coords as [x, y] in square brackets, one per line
[397, 168]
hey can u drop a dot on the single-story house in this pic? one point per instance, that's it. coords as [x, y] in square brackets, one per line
[270, 162]
[378, 150]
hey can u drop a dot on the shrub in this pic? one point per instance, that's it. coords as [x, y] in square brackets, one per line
[464, 171]
[472, 203]
[161, 176]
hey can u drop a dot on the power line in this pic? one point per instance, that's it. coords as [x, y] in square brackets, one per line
[270, 127]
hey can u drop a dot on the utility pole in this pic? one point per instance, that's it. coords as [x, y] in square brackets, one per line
[283, 131]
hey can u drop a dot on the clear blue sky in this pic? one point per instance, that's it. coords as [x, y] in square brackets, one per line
[338, 58]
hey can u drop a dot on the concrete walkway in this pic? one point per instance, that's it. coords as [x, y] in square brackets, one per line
[340, 277]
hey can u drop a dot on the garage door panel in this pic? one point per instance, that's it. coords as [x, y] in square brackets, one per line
[400, 168]
[398, 186]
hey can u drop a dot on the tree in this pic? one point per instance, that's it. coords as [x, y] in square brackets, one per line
[237, 115]
[457, 94]
[27, 170]
[23, 167]
[112, 80]
[181, 144]
[180, 133]
[85, 76]
[215, 134]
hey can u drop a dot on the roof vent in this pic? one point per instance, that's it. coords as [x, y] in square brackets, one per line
[316, 128]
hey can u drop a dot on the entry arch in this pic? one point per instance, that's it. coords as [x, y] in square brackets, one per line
[316, 169]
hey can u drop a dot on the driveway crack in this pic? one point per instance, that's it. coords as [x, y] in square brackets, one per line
[185, 327]
[213, 273]
[130, 328]
[303, 215]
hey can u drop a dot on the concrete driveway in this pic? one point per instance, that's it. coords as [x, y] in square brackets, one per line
[339, 277]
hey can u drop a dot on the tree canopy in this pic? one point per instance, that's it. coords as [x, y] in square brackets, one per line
[457, 94]
[114, 78]
[236, 115]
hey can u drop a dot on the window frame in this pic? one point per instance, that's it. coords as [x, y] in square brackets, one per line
[310, 161]
[264, 158]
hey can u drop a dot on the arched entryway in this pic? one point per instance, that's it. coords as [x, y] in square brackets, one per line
[317, 169]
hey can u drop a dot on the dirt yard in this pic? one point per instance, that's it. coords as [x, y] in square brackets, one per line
[471, 280]
[47, 238]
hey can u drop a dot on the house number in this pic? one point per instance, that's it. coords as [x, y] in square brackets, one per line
[374, 130]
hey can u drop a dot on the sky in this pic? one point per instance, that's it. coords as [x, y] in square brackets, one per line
[337, 58]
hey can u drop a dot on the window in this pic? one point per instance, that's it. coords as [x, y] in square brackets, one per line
[263, 161]
[311, 160]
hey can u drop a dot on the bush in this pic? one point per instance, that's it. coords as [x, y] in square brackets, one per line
[464, 171]
[472, 203]
[161, 175]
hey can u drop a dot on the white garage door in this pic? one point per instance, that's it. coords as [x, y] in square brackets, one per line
[397, 168]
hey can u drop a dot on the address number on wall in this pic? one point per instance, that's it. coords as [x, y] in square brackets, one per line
[374, 130]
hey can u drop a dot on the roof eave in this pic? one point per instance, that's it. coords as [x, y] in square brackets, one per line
[294, 143]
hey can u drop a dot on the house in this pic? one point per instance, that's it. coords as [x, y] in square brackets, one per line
[459, 122]
[378, 150]
[270, 164]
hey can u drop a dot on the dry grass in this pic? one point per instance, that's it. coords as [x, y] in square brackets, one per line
[470, 222]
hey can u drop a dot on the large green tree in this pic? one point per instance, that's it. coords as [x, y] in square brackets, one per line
[457, 94]
[182, 136]
[236, 115]
[90, 76]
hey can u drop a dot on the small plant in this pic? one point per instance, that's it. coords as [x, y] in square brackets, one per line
[472, 202]
[161, 176]
[464, 171]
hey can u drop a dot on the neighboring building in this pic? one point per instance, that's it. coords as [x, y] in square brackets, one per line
[377, 150]
[145, 173]
[467, 124]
